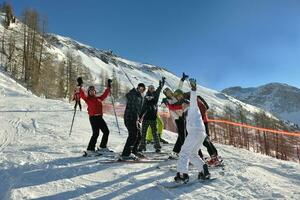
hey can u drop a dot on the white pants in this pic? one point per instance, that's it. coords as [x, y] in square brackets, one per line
[189, 151]
[194, 140]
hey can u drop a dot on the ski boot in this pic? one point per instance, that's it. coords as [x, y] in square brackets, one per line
[184, 178]
[214, 161]
[130, 157]
[205, 173]
[173, 156]
[139, 155]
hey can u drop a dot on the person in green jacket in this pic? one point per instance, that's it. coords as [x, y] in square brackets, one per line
[160, 128]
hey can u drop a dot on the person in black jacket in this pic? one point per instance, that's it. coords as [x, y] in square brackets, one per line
[132, 111]
[149, 114]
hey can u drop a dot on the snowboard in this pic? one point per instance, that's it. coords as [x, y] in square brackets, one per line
[174, 185]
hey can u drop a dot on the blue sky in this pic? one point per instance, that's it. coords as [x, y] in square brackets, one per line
[221, 43]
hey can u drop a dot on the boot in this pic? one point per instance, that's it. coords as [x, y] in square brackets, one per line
[184, 178]
[205, 173]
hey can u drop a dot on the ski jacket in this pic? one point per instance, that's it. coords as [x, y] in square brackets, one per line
[133, 105]
[94, 103]
[177, 107]
[76, 96]
[149, 109]
[203, 110]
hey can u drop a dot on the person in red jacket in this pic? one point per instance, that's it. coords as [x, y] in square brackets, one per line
[203, 107]
[76, 98]
[94, 107]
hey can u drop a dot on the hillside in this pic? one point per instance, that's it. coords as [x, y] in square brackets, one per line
[98, 65]
[279, 99]
[40, 161]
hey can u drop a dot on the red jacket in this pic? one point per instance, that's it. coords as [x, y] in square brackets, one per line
[94, 103]
[203, 110]
[76, 96]
[201, 107]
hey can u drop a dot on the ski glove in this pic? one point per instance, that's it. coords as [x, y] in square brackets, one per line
[162, 82]
[184, 76]
[109, 81]
[193, 84]
[79, 81]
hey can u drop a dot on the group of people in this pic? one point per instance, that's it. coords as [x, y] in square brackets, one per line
[188, 110]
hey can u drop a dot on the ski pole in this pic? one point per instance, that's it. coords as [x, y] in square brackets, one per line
[75, 108]
[127, 76]
[113, 104]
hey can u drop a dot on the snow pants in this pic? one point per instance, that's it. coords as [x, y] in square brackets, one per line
[152, 124]
[98, 123]
[180, 123]
[133, 139]
[189, 151]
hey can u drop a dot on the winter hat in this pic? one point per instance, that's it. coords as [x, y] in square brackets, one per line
[166, 90]
[178, 92]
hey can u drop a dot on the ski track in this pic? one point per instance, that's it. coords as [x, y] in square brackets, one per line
[40, 161]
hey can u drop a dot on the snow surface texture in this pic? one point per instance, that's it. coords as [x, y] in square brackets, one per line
[38, 160]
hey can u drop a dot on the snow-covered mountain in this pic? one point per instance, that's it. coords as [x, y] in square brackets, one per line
[98, 61]
[38, 160]
[280, 99]
[101, 62]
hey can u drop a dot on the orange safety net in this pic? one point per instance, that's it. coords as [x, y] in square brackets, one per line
[254, 127]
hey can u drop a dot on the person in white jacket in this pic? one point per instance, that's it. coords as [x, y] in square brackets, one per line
[193, 142]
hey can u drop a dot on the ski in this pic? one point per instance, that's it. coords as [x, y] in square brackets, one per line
[139, 161]
[98, 154]
[173, 184]
[85, 154]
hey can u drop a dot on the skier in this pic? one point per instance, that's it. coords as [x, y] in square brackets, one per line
[178, 115]
[94, 107]
[212, 151]
[76, 96]
[193, 142]
[132, 111]
[149, 114]
[203, 107]
[160, 128]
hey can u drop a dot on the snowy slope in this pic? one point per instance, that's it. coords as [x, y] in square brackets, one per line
[38, 160]
[101, 62]
[280, 99]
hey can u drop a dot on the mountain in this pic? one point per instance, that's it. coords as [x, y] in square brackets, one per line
[98, 65]
[277, 98]
[40, 161]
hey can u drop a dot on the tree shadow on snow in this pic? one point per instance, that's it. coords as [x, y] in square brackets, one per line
[33, 175]
[105, 186]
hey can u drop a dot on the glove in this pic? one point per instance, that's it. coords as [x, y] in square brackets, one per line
[193, 84]
[79, 81]
[109, 81]
[162, 81]
[184, 76]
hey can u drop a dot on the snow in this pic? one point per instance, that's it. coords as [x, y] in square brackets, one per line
[38, 160]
